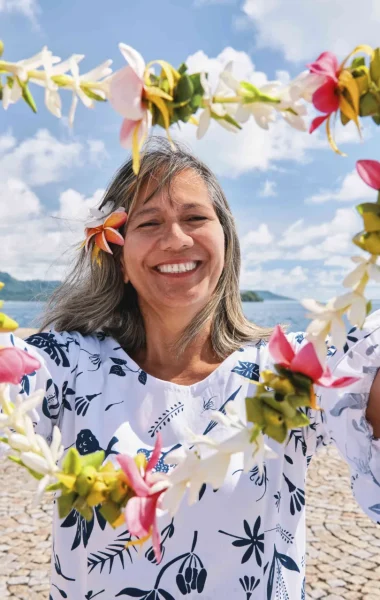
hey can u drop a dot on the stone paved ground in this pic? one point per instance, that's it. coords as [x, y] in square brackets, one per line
[343, 544]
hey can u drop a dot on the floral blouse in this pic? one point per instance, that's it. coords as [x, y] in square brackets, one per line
[243, 540]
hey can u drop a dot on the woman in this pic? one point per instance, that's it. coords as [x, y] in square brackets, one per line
[153, 340]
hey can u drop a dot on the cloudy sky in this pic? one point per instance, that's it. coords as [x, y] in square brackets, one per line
[292, 197]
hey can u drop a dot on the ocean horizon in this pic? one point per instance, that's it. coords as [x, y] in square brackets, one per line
[267, 313]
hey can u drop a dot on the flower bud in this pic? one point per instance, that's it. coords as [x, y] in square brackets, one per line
[85, 480]
[370, 242]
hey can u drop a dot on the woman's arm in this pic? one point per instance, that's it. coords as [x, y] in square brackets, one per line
[373, 408]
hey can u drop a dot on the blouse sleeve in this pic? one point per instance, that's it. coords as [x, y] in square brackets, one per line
[342, 419]
[58, 355]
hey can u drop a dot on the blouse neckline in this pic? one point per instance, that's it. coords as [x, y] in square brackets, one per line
[156, 381]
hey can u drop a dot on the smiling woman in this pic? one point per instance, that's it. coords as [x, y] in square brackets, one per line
[151, 356]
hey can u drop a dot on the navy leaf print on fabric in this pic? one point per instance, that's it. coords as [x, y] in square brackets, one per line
[50, 404]
[48, 343]
[190, 577]
[278, 561]
[299, 438]
[213, 423]
[66, 391]
[62, 592]
[94, 359]
[166, 534]
[57, 566]
[247, 369]
[249, 584]
[115, 550]
[87, 442]
[166, 417]
[84, 528]
[82, 403]
[254, 541]
[375, 508]
[297, 496]
[358, 401]
[90, 595]
[120, 368]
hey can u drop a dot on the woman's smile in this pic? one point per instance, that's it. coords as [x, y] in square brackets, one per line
[178, 269]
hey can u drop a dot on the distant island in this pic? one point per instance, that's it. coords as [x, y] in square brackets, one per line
[38, 290]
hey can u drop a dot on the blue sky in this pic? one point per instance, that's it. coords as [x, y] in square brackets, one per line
[292, 197]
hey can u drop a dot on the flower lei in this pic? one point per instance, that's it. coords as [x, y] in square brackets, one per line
[132, 493]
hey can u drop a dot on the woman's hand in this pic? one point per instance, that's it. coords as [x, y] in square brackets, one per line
[373, 408]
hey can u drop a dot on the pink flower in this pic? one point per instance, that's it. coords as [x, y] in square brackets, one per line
[305, 361]
[126, 97]
[325, 98]
[140, 511]
[15, 363]
[369, 171]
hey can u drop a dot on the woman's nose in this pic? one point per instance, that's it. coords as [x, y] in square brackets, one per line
[175, 238]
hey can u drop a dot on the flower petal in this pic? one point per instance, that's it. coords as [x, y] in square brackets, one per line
[155, 456]
[325, 98]
[133, 58]
[125, 94]
[133, 475]
[116, 219]
[326, 64]
[101, 242]
[369, 171]
[204, 123]
[355, 276]
[113, 236]
[317, 122]
[279, 348]
[306, 362]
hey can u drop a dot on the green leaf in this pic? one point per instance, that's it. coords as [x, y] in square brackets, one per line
[369, 105]
[197, 85]
[369, 307]
[65, 504]
[374, 68]
[53, 487]
[196, 102]
[358, 62]
[110, 511]
[184, 89]
[182, 68]
[92, 95]
[72, 463]
[1, 48]
[27, 95]
[95, 459]
[376, 119]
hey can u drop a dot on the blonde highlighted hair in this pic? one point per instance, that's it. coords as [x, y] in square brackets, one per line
[92, 298]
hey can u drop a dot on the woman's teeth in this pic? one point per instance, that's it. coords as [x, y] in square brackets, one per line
[177, 268]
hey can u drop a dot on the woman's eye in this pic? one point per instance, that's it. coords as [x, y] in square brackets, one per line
[148, 224]
[197, 218]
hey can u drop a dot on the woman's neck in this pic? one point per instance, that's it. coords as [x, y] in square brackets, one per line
[160, 357]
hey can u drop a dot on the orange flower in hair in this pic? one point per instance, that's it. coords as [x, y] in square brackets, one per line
[102, 228]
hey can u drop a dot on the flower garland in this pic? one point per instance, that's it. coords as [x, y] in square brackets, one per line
[133, 492]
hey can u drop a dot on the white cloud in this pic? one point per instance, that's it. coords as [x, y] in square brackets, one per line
[302, 29]
[261, 237]
[38, 244]
[351, 188]
[268, 189]
[28, 8]
[346, 222]
[43, 158]
[275, 280]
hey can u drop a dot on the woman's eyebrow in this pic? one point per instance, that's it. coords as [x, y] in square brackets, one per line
[154, 210]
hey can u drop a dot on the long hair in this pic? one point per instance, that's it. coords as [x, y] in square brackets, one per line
[95, 298]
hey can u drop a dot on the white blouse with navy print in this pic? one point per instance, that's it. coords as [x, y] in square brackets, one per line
[244, 540]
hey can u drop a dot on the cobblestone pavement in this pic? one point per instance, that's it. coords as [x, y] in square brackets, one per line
[343, 544]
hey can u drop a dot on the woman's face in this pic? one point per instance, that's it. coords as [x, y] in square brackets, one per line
[174, 245]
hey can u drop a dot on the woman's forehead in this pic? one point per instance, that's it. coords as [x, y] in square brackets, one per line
[184, 187]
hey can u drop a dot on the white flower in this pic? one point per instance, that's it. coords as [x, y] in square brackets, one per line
[327, 319]
[94, 75]
[194, 468]
[13, 414]
[365, 267]
[215, 110]
[13, 92]
[304, 86]
[45, 461]
[52, 97]
[97, 216]
[24, 442]
[355, 304]
[265, 113]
